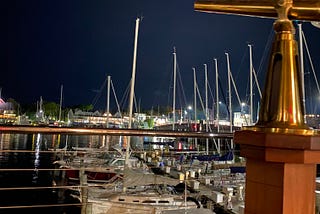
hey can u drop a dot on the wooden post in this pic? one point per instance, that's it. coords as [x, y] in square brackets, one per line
[280, 171]
[84, 188]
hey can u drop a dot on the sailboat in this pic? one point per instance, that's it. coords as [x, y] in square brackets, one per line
[140, 190]
[98, 165]
[40, 115]
[143, 200]
[60, 122]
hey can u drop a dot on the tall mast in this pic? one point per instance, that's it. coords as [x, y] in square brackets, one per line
[251, 93]
[174, 88]
[108, 100]
[61, 92]
[107, 139]
[217, 102]
[40, 104]
[217, 95]
[195, 104]
[132, 88]
[302, 69]
[37, 107]
[195, 95]
[206, 108]
[229, 90]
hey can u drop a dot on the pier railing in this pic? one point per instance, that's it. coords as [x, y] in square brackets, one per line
[33, 152]
[111, 131]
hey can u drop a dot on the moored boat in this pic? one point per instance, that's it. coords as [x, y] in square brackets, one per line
[97, 171]
[98, 166]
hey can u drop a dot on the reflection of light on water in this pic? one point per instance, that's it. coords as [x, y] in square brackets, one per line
[1, 146]
[104, 141]
[37, 158]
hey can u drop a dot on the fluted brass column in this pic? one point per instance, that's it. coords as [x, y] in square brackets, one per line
[281, 106]
[281, 151]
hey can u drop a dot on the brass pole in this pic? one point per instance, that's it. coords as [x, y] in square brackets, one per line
[281, 109]
[281, 105]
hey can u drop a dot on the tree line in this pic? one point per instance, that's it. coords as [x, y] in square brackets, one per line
[52, 109]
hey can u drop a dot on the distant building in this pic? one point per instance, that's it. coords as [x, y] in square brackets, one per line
[241, 119]
[85, 118]
[7, 112]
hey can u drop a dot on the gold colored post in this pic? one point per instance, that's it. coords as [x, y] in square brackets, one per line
[281, 109]
[281, 102]
[281, 151]
[281, 105]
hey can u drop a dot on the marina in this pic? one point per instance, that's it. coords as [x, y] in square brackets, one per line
[42, 151]
[258, 155]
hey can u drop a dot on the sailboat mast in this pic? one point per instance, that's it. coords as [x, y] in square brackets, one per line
[107, 139]
[37, 107]
[206, 93]
[302, 69]
[174, 88]
[195, 104]
[195, 95]
[229, 90]
[40, 104]
[217, 95]
[108, 99]
[132, 88]
[61, 92]
[206, 108]
[251, 88]
[217, 102]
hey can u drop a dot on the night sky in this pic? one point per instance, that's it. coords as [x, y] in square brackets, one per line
[78, 43]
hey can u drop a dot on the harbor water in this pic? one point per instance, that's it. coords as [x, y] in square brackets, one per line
[26, 177]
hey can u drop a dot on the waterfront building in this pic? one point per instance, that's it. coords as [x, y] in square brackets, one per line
[7, 112]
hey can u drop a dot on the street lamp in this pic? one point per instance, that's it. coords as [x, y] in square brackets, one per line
[224, 111]
[188, 112]
[243, 105]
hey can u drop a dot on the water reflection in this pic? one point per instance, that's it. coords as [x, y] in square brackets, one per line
[25, 168]
[37, 158]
